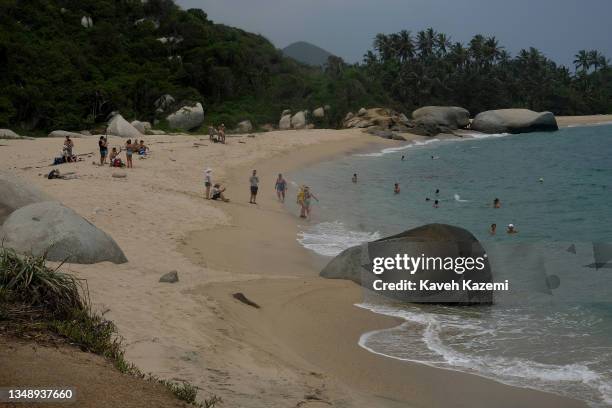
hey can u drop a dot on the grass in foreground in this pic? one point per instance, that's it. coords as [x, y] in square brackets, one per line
[34, 297]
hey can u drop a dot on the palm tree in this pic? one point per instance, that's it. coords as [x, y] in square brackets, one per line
[405, 46]
[442, 42]
[594, 59]
[491, 50]
[582, 61]
[382, 45]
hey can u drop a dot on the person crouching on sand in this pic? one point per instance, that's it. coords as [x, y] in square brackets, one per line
[217, 193]
[396, 188]
[281, 188]
[208, 182]
[307, 202]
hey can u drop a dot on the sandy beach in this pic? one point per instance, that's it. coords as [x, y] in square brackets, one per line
[300, 347]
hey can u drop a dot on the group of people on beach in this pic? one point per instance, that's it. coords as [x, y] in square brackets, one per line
[215, 191]
[217, 135]
[130, 148]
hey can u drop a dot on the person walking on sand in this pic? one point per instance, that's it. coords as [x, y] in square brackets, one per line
[254, 180]
[396, 188]
[103, 145]
[281, 188]
[129, 150]
[208, 182]
[307, 202]
[496, 203]
[354, 177]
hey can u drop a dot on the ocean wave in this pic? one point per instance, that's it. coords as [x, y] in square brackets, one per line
[331, 238]
[390, 150]
[512, 371]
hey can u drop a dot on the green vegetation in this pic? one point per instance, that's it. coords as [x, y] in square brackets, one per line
[34, 297]
[55, 73]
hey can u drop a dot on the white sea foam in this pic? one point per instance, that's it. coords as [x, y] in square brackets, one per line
[331, 238]
[513, 371]
[390, 150]
[459, 199]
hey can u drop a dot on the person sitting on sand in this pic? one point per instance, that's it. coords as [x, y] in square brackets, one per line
[103, 145]
[396, 188]
[511, 229]
[493, 229]
[307, 202]
[142, 148]
[354, 179]
[217, 193]
[114, 159]
[496, 203]
[281, 188]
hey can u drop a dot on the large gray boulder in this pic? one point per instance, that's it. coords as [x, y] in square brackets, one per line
[432, 240]
[514, 121]
[64, 133]
[285, 122]
[9, 134]
[451, 117]
[319, 112]
[187, 118]
[164, 102]
[118, 126]
[16, 193]
[298, 121]
[48, 228]
[244, 127]
[142, 127]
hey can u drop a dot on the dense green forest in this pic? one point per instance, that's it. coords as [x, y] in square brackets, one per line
[57, 71]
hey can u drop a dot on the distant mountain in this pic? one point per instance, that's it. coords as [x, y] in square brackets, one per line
[307, 53]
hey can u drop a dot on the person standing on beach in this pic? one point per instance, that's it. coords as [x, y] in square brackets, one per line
[354, 177]
[254, 180]
[208, 182]
[281, 188]
[300, 201]
[222, 133]
[103, 145]
[396, 188]
[129, 149]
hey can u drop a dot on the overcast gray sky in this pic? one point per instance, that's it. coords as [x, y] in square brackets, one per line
[559, 28]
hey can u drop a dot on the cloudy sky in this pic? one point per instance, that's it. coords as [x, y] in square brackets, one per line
[346, 28]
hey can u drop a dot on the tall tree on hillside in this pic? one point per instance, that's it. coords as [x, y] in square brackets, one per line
[582, 61]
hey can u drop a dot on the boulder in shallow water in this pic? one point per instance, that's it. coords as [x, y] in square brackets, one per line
[118, 126]
[187, 118]
[60, 233]
[16, 193]
[431, 240]
[514, 121]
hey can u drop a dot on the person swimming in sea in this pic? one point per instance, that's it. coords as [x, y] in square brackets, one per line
[511, 229]
[403, 157]
[436, 204]
[354, 179]
[437, 191]
[496, 203]
[493, 229]
[396, 188]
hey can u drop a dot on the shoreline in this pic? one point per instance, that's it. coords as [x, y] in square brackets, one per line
[348, 322]
[301, 348]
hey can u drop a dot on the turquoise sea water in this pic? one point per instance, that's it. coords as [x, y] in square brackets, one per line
[556, 188]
